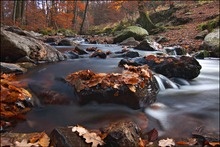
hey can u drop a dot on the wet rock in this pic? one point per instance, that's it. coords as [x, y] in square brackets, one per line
[202, 34]
[132, 31]
[135, 87]
[26, 65]
[131, 42]
[71, 55]
[98, 53]
[122, 134]
[11, 68]
[201, 54]
[66, 42]
[183, 67]
[65, 137]
[51, 40]
[79, 51]
[174, 50]
[131, 54]
[146, 45]
[14, 47]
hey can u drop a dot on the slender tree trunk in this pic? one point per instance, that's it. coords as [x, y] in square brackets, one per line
[14, 11]
[23, 12]
[18, 10]
[74, 21]
[84, 17]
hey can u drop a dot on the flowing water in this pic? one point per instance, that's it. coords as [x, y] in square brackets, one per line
[179, 110]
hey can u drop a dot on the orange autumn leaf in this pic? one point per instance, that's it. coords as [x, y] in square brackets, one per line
[182, 143]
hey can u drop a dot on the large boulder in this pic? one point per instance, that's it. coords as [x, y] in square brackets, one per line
[135, 87]
[15, 46]
[211, 42]
[181, 67]
[131, 42]
[132, 31]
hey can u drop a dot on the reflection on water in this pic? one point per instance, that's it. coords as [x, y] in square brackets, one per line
[177, 113]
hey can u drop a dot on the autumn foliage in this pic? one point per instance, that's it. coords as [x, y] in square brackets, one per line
[14, 100]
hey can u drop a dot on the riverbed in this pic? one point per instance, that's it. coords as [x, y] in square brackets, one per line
[176, 114]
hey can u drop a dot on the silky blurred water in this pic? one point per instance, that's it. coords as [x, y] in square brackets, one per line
[177, 112]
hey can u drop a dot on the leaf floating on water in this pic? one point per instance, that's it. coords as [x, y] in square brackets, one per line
[166, 142]
[89, 137]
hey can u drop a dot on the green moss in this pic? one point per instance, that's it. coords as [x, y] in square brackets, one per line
[209, 25]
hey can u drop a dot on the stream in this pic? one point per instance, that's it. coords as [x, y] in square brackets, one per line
[194, 106]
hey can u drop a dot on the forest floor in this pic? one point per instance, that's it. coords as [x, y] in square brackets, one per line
[184, 35]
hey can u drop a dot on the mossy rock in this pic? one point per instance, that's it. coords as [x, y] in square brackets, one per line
[132, 31]
[211, 42]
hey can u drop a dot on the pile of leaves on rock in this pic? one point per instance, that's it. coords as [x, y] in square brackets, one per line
[132, 77]
[15, 101]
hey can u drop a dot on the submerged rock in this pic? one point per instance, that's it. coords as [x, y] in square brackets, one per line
[135, 87]
[182, 67]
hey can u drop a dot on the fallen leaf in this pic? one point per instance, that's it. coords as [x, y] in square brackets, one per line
[214, 143]
[166, 142]
[182, 143]
[81, 130]
[152, 135]
[94, 139]
[132, 88]
[24, 143]
[44, 141]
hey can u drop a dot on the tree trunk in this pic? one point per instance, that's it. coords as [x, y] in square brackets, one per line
[14, 11]
[144, 19]
[18, 10]
[23, 12]
[74, 21]
[84, 17]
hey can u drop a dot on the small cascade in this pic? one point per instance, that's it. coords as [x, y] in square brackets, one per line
[164, 82]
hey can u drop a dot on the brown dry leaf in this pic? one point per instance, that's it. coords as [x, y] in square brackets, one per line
[44, 141]
[152, 135]
[24, 143]
[182, 143]
[89, 137]
[94, 139]
[166, 142]
[132, 88]
[132, 80]
[142, 84]
[192, 141]
[116, 93]
[142, 143]
[81, 130]
[150, 57]
[36, 137]
[214, 143]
